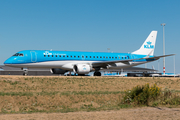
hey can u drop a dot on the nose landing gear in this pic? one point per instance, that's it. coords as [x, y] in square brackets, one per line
[25, 71]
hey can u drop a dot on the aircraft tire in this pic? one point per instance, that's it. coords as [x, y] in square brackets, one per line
[25, 74]
[97, 73]
[81, 74]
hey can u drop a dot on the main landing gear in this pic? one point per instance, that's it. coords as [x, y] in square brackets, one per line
[97, 73]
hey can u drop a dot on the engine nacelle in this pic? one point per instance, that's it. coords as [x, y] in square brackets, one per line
[82, 68]
[57, 71]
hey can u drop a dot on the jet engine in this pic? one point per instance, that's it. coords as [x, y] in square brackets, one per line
[57, 71]
[82, 68]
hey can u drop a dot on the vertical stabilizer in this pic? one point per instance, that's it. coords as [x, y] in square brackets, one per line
[148, 46]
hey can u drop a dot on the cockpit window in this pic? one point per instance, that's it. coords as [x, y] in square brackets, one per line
[21, 54]
[18, 54]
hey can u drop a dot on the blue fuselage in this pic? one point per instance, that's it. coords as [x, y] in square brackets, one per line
[65, 59]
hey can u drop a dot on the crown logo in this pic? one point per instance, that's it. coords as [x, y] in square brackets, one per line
[149, 43]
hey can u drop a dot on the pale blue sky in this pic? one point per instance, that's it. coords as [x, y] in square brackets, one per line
[89, 25]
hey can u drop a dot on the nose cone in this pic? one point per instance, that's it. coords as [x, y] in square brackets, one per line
[8, 61]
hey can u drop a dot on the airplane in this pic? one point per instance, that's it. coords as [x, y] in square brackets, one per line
[83, 63]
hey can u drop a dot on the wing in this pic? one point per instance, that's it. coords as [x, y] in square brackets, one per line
[133, 69]
[105, 63]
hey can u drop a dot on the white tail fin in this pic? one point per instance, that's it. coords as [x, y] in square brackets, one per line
[148, 46]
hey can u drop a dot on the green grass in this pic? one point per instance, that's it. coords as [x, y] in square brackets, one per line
[16, 94]
[59, 93]
[70, 94]
[151, 96]
[87, 108]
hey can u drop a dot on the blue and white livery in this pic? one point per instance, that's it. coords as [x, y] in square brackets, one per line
[84, 62]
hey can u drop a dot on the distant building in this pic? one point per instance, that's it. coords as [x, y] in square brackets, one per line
[5, 70]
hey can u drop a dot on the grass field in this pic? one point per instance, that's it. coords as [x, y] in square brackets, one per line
[19, 94]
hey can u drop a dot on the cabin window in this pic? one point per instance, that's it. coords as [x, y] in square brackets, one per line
[106, 57]
[78, 56]
[67, 56]
[48, 55]
[52, 56]
[113, 57]
[82, 56]
[86, 56]
[103, 57]
[63, 55]
[74, 56]
[97, 56]
[90, 56]
[94, 56]
[100, 57]
[109, 57]
[71, 56]
[116, 57]
[59, 55]
[56, 55]
[119, 57]
[44, 55]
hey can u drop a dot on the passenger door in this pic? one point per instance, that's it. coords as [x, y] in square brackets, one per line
[33, 56]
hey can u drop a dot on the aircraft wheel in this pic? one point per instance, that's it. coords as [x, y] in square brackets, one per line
[25, 74]
[81, 74]
[97, 73]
